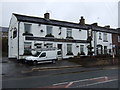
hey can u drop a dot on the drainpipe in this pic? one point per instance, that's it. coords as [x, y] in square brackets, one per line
[18, 37]
[95, 42]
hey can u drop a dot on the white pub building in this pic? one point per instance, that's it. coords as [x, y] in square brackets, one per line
[27, 33]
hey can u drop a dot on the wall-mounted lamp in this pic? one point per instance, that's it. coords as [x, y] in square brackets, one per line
[41, 30]
[39, 24]
[59, 33]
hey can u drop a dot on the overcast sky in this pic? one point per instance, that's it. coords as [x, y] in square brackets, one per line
[104, 13]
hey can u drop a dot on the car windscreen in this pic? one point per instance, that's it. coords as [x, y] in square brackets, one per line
[36, 54]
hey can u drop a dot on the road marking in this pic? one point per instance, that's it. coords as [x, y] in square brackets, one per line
[50, 68]
[79, 80]
[97, 83]
[69, 85]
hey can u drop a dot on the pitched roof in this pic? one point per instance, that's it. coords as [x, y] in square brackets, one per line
[39, 20]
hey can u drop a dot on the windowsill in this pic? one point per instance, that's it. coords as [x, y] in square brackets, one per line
[69, 37]
[100, 38]
[105, 40]
[69, 54]
[49, 35]
[27, 34]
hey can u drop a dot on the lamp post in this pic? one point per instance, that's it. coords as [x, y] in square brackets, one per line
[89, 39]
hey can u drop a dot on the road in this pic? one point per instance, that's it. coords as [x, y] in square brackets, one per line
[78, 77]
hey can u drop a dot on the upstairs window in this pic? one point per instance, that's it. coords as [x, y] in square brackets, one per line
[49, 30]
[69, 32]
[27, 28]
[100, 37]
[105, 37]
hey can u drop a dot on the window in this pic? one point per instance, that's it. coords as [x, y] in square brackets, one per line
[81, 48]
[69, 49]
[59, 53]
[49, 45]
[118, 38]
[49, 30]
[69, 32]
[27, 48]
[100, 38]
[15, 33]
[43, 55]
[105, 49]
[39, 46]
[105, 37]
[27, 28]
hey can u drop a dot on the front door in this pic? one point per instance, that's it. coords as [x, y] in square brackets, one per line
[59, 46]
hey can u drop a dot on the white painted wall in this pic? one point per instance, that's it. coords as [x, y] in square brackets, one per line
[12, 43]
[35, 30]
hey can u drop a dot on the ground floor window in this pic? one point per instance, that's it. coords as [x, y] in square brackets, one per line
[69, 49]
[49, 45]
[105, 49]
[82, 50]
[27, 48]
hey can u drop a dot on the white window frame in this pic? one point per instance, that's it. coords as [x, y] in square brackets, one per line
[105, 37]
[69, 32]
[69, 46]
[29, 31]
[81, 48]
[49, 29]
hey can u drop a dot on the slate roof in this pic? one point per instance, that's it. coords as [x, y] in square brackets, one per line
[3, 29]
[39, 20]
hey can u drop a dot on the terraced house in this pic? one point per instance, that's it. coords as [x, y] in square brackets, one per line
[27, 33]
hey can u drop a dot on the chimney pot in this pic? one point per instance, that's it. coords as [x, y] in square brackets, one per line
[95, 24]
[82, 21]
[107, 26]
[46, 15]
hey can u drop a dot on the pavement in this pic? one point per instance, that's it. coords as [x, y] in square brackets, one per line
[10, 67]
[20, 75]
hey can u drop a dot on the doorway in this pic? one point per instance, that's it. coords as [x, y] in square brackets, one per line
[59, 46]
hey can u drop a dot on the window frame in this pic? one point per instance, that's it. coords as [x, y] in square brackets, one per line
[81, 49]
[105, 37]
[25, 30]
[51, 28]
[69, 32]
[118, 38]
[69, 49]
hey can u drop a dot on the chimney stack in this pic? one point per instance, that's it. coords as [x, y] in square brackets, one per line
[46, 15]
[82, 21]
[95, 24]
[107, 26]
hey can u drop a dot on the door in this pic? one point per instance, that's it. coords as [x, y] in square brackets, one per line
[59, 46]
[42, 57]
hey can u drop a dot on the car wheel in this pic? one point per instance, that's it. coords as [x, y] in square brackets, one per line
[34, 62]
[53, 61]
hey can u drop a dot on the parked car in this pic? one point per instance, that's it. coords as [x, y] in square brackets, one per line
[44, 57]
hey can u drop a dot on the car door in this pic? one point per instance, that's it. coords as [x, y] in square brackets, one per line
[42, 56]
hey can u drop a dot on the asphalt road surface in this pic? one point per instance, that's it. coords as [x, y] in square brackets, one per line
[66, 78]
